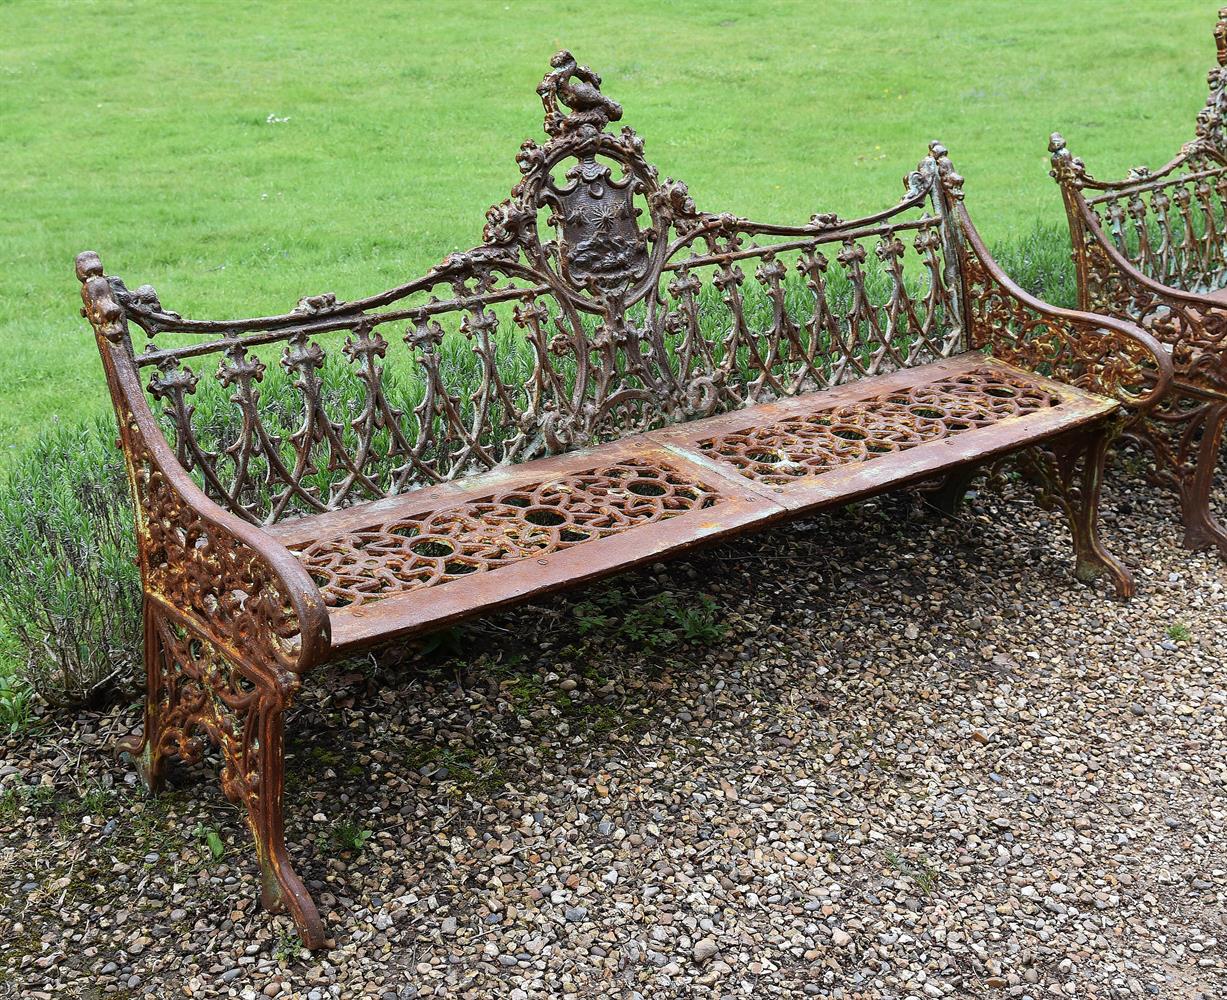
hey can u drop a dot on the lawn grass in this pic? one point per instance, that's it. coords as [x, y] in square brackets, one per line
[240, 155]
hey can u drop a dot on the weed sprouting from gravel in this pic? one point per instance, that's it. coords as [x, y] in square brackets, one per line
[349, 836]
[923, 873]
[16, 696]
[657, 622]
[1179, 632]
[212, 839]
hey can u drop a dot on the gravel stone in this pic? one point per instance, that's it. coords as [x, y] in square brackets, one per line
[918, 761]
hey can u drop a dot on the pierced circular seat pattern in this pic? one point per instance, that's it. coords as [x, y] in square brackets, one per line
[813, 443]
[409, 553]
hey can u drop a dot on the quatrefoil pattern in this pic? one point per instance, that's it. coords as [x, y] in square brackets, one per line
[503, 528]
[813, 443]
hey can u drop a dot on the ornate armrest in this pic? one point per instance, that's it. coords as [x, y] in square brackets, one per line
[230, 581]
[1108, 356]
[1194, 326]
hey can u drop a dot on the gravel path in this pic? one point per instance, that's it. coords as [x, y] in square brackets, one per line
[901, 756]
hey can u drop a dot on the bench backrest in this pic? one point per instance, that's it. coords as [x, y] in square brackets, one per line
[601, 302]
[1170, 223]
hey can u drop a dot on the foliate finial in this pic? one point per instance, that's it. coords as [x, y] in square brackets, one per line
[1066, 168]
[1210, 118]
[576, 89]
[951, 181]
[105, 314]
[89, 265]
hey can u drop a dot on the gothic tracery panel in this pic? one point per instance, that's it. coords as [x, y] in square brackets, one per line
[412, 552]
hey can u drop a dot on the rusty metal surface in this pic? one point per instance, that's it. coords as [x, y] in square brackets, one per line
[514, 558]
[850, 443]
[825, 437]
[1152, 248]
[406, 552]
[715, 476]
[607, 321]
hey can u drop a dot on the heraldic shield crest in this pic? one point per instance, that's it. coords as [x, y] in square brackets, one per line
[601, 242]
[596, 187]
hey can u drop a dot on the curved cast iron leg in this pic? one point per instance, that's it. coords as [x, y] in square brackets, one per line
[147, 748]
[281, 890]
[1201, 528]
[1082, 509]
[948, 497]
[1070, 471]
[197, 696]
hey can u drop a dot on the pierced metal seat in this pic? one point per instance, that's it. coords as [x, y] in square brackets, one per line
[410, 563]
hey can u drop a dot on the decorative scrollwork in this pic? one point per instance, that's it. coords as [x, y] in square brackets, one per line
[1142, 242]
[809, 445]
[1194, 329]
[1093, 353]
[200, 696]
[629, 328]
[194, 564]
[1185, 433]
[234, 584]
[637, 308]
[484, 534]
[205, 699]
[1168, 223]
[638, 311]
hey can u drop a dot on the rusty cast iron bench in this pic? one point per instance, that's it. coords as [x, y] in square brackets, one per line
[641, 377]
[1152, 248]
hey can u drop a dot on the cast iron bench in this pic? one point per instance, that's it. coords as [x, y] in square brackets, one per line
[642, 377]
[1152, 248]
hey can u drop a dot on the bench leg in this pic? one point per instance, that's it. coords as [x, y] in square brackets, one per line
[148, 749]
[1070, 472]
[948, 497]
[281, 890]
[1185, 435]
[1201, 528]
[198, 698]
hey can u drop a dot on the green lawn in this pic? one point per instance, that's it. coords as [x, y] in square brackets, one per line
[146, 131]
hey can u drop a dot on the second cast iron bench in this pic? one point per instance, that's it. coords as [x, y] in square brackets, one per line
[1152, 249]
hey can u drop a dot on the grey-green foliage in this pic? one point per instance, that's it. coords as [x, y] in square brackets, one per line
[69, 589]
[1040, 263]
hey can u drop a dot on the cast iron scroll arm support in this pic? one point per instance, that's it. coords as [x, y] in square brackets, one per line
[1110, 357]
[232, 621]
